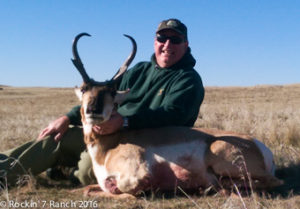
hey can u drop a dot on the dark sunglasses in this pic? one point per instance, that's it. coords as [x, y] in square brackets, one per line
[173, 39]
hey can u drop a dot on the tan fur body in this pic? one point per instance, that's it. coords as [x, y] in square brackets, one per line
[164, 158]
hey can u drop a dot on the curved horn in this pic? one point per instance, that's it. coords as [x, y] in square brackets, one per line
[77, 61]
[127, 62]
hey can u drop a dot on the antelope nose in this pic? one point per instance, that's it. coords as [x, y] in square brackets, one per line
[101, 118]
[90, 109]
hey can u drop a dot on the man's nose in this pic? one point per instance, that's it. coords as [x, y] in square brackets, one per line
[167, 43]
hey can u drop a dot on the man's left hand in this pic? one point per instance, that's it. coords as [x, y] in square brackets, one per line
[114, 124]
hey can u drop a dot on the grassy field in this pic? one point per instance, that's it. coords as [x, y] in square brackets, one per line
[269, 113]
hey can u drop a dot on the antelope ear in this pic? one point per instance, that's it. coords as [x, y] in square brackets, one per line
[78, 93]
[120, 96]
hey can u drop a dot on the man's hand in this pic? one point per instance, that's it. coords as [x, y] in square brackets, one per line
[56, 128]
[114, 124]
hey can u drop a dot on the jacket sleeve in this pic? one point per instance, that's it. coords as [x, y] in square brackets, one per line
[180, 106]
[74, 115]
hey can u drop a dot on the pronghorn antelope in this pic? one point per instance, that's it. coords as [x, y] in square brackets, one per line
[132, 161]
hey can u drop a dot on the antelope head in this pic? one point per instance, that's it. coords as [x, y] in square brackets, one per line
[99, 98]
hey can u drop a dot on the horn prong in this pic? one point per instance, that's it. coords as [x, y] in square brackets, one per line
[128, 61]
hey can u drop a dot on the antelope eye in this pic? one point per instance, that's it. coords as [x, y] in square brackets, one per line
[84, 89]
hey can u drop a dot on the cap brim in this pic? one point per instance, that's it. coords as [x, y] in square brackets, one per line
[178, 31]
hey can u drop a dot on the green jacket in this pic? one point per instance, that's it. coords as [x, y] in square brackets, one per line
[159, 96]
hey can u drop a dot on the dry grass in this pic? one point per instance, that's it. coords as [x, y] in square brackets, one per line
[270, 113]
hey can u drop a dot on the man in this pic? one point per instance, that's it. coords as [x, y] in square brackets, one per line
[163, 92]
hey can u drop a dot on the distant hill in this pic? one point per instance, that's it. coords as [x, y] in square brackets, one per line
[2, 86]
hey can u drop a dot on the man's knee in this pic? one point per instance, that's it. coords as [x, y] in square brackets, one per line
[72, 140]
[85, 173]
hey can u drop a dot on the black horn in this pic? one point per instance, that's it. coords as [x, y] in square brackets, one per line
[116, 78]
[127, 62]
[77, 61]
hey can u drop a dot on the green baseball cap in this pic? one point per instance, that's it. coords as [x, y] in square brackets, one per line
[173, 24]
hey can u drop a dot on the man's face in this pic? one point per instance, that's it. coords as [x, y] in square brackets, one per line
[168, 53]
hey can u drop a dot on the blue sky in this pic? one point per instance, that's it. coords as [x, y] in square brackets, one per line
[235, 42]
